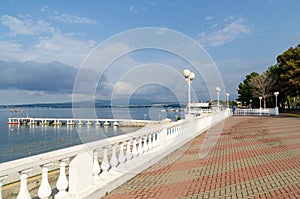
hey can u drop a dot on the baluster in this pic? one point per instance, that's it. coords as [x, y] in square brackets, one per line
[62, 182]
[140, 147]
[128, 152]
[96, 167]
[145, 147]
[150, 146]
[173, 132]
[154, 137]
[105, 164]
[121, 157]
[24, 193]
[157, 144]
[134, 149]
[45, 188]
[114, 161]
[1, 183]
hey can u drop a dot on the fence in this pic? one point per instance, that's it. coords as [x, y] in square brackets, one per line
[82, 175]
[256, 112]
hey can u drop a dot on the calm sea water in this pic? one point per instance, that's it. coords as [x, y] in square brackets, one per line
[23, 141]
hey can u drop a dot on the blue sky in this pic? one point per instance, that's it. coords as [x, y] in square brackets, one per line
[240, 36]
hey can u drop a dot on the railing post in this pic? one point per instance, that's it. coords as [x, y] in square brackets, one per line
[96, 167]
[62, 182]
[128, 152]
[155, 140]
[1, 183]
[140, 147]
[113, 161]
[150, 146]
[121, 156]
[134, 149]
[45, 189]
[105, 164]
[145, 146]
[24, 193]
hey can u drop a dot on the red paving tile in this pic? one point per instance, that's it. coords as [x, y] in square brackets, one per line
[263, 152]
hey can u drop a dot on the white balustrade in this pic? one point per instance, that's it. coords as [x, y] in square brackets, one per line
[87, 176]
[150, 146]
[24, 193]
[96, 167]
[145, 146]
[140, 147]
[155, 140]
[45, 189]
[121, 156]
[128, 152]
[134, 149]
[114, 160]
[62, 182]
[104, 165]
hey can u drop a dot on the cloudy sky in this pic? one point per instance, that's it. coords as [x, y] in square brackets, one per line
[44, 43]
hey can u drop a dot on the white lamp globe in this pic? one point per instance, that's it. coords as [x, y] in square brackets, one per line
[192, 76]
[186, 73]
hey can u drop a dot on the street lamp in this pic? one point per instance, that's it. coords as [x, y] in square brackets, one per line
[260, 102]
[227, 102]
[218, 94]
[276, 107]
[189, 76]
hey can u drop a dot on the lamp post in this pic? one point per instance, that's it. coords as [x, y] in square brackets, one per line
[227, 102]
[276, 107]
[189, 76]
[218, 95]
[260, 102]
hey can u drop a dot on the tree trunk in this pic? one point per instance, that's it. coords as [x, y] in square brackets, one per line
[288, 102]
[265, 103]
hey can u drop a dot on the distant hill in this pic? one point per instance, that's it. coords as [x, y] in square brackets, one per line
[139, 102]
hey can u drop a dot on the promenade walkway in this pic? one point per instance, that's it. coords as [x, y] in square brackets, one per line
[255, 157]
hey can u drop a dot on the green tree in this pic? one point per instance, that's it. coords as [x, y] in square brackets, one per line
[244, 89]
[262, 86]
[289, 72]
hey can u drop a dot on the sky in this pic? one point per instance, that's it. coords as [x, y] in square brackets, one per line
[43, 45]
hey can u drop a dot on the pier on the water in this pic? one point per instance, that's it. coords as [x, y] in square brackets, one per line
[73, 121]
[93, 169]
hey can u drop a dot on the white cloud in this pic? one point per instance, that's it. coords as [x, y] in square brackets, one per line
[62, 48]
[58, 47]
[231, 31]
[123, 88]
[25, 26]
[74, 19]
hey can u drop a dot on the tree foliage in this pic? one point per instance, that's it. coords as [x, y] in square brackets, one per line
[245, 88]
[289, 71]
[262, 86]
[283, 77]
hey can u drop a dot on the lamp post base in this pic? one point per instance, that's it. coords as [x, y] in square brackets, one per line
[276, 111]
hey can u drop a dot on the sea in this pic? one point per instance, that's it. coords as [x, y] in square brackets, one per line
[19, 141]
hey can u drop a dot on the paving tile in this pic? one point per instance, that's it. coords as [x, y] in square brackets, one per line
[254, 157]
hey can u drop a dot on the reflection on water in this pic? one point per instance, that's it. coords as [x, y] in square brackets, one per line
[23, 141]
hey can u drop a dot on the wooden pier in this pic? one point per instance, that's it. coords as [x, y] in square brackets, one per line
[78, 122]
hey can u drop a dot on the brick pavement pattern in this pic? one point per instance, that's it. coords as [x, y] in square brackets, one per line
[254, 157]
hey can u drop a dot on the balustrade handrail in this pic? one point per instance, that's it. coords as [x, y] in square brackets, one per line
[160, 139]
[257, 111]
[60, 154]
